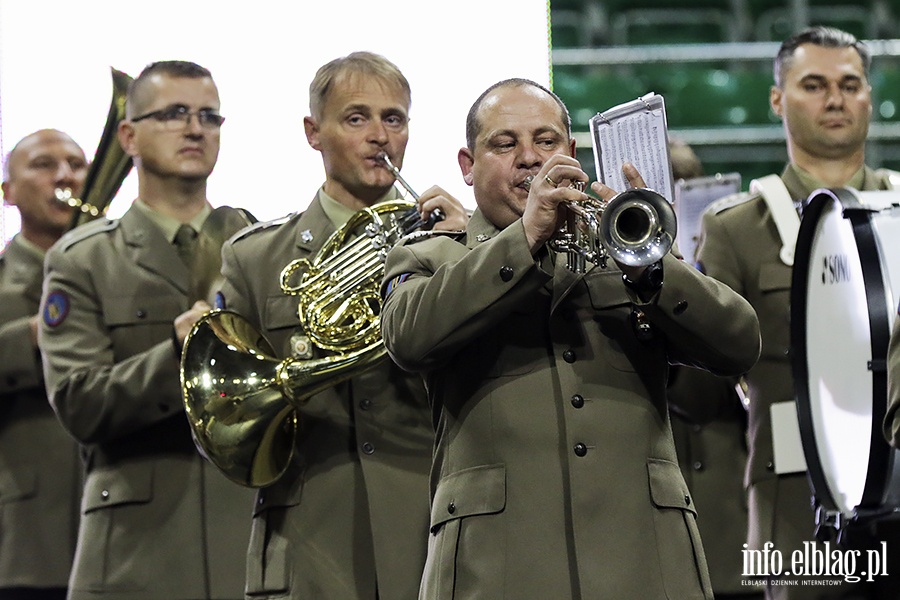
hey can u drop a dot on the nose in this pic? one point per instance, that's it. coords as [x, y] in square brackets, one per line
[378, 132]
[834, 97]
[64, 172]
[529, 157]
[193, 126]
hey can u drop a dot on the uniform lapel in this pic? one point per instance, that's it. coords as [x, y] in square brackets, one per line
[152, 251]
[313, 228]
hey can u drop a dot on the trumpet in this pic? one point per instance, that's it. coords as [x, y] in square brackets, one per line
[636, 227]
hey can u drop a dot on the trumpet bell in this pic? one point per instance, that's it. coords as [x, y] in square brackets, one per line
[231, 387]
[638, 227]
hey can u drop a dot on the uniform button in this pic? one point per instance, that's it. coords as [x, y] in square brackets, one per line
[260, 500]
[365, 404]
[368, 448]
[770, 466]
[506, 273]
[687, 500]
[697, 428]
[580, 449]
[577, 400]
[141, 313]
[569, 356]
[698, 465]
[680, 307]
[451, 508]
[104, 495]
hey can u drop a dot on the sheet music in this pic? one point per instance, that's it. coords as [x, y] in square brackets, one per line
[634, 132]
[692, 196]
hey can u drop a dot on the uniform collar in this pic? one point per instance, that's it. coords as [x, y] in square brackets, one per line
[169, 225]
[338, 213]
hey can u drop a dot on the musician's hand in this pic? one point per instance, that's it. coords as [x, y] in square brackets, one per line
[455, 215]
[185, 321]
[550, 187]
[635, 180]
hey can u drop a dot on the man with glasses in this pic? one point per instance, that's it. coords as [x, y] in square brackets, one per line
[39, 463]
[119, 299]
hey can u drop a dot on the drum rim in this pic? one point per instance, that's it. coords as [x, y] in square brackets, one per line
[880, 456]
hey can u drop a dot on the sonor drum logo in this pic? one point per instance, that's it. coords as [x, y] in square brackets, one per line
[835, 269]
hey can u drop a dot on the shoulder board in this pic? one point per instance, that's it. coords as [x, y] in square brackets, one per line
[261, 226]
[85, 231]
[730, 201]
[892, 177]
[418, 236]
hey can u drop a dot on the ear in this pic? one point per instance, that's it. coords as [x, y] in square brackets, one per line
[776, 95]
[7, 201]
[126, 137]
[312, 133]
[466, 161]
[572, 148]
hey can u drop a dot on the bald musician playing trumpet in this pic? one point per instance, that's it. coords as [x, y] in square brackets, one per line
[555, 473]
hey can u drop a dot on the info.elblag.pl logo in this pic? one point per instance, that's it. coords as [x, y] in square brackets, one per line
[816, 560]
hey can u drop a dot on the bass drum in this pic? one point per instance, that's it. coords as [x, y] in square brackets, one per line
[844, 292]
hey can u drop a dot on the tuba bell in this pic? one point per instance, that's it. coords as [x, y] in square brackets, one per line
[109, 167]
[242, 402]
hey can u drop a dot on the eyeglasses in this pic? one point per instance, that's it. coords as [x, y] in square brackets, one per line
[177, 116]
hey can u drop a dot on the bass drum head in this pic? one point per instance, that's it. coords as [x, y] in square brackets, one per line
[841, 306]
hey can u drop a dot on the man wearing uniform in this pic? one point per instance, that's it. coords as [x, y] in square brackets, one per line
[119, 298]
[349, 518]
[40, 482]
[554, 475]
[709, 426]
[822, 95]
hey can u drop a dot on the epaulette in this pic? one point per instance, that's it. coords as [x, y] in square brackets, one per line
[418, 236]
[730, 201]
[261, 226]
[85, 231]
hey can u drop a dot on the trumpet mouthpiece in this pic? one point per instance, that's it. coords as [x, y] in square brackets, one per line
[526, 183]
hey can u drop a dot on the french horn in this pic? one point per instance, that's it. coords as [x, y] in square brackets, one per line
[241, 401]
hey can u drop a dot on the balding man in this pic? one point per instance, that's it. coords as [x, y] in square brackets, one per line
[39, 466]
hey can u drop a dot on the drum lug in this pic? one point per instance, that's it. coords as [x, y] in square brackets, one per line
[828, 523]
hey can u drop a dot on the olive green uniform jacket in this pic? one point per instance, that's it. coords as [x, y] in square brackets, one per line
[709, 424]
[40, 471]
[350, 517]
[157, 521]
[740, 246]
[555, 474]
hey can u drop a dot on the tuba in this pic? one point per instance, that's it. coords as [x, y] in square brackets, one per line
[109, 167]
[241, 401]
